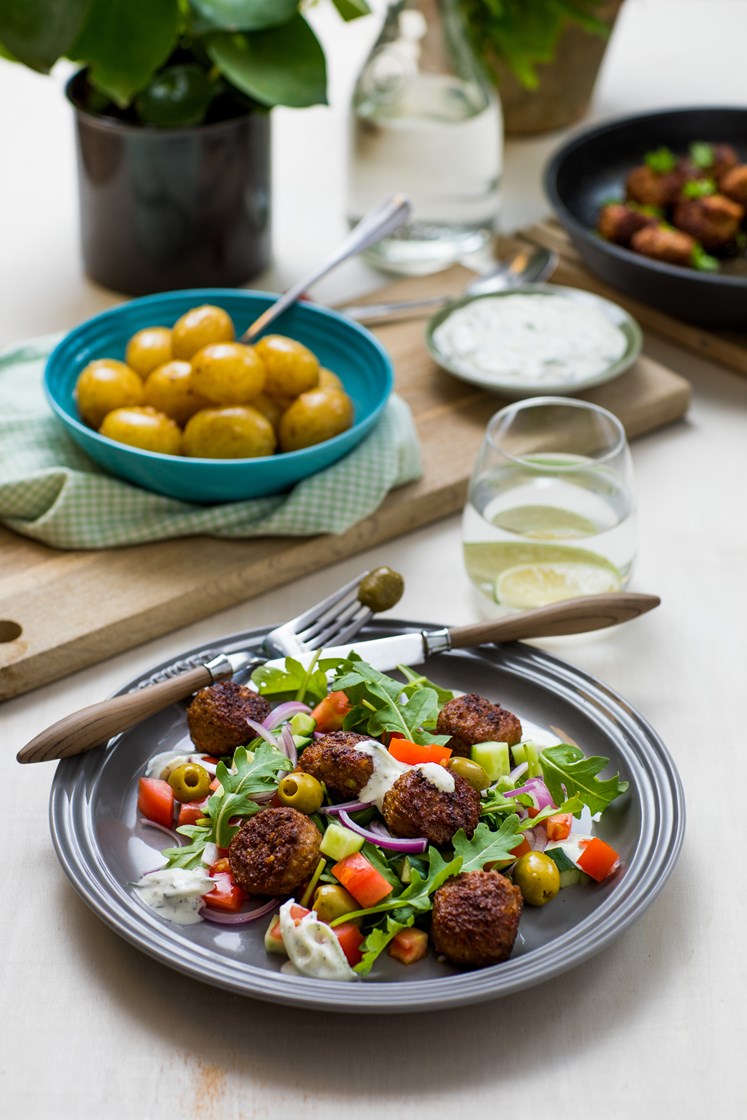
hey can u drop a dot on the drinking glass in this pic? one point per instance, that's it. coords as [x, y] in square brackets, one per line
[550, 512]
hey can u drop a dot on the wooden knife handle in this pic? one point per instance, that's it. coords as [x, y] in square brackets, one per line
[572, 616]
[92, 726]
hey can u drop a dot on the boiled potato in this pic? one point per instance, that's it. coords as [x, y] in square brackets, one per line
[314, 417]
[148, 349]
[170, 389]
[240, 432]
[291, 367]
[199, 327]
[228, 373]
[103, 385]
[270, 407]
[143, 427]
[330, 380]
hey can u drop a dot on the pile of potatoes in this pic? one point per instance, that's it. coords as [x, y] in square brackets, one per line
[193, 390]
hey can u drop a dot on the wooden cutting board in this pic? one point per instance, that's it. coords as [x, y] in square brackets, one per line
[128, 596]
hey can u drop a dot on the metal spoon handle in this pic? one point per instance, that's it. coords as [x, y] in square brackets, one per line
[401, 309]
[388, 215]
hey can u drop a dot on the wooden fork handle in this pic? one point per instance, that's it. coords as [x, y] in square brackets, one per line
[574, 616]
[92, 726]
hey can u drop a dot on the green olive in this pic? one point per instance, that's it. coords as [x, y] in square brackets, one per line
[472, 772]
[301, 791]
[537, 877]
[331, 901]
[190, 782]
[381, 589]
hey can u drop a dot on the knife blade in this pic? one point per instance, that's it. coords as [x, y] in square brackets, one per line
[381, 653]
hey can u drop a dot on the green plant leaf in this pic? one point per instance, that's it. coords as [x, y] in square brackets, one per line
[279, 66]
[124, 42]
[351, 9]
[487, 846]
[245, 15]
[177, 97]
[38, 32]
[568, 772]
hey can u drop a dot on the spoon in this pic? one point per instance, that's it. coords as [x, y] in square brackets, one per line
[387, 216]
[524, 267]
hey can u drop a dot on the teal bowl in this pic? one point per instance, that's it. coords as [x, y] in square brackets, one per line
[350, 351]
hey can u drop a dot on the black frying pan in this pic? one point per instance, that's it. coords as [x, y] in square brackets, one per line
[592, 167]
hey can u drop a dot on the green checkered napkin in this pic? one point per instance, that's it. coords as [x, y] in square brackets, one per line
[51, 491]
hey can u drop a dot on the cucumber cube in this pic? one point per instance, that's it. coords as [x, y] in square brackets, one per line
[339, 842]
[493, 757]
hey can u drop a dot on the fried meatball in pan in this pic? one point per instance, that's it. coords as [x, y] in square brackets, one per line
[653, 188]
[667, 245]
[734, 184]
[473, 719]
[274, 851]
[714, 221]
[217, 717]
[476, 918]
[618, 222]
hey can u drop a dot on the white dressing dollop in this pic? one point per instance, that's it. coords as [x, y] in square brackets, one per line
[437, 775]
[312, 947]
[175, 893]
[386, 770]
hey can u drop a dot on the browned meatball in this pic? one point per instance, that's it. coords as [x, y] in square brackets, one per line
[476, 918]
[668, 245]
[334, 760]
[618, 222]
[734, 184]
[653, 188]
[473, 719]
[713, 221]
[217, 717]
[724, 158]
[414, 806]
[274, 851]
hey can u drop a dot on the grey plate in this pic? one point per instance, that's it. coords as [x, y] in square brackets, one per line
[517, 386]
[103, 848]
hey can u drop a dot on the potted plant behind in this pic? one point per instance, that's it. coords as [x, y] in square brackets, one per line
[172, 110]
[543, 55]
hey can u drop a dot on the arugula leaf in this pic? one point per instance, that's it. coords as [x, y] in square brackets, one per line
[377, 940]
[568, 772]
[296, 681]
[377, 704]
[661, 160]
[416, 897]
[416, 681]
[190, 855]
[487, 846]
[254, 774]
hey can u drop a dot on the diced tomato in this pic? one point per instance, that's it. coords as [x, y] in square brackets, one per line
[532, 811]
[210, 759]
[558, 826]
[351, 939]
[226, 894]
[404, 750]
[214, 785]
[521, 848]
[409, 945]
[367, 885]
[191, 812]
[331, 711]
[155, 800]
[598, 859]
[389, 735]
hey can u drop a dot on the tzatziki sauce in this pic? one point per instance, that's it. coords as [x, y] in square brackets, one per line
[175, 893]
[387, 769]
[530, 339]
[312, 947]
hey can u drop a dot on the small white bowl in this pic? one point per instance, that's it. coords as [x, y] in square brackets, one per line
[513, 381]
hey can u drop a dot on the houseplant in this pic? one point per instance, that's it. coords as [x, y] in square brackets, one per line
[172, 105]
[544, 56]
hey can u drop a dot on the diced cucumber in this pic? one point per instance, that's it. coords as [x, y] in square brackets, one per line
[519, 753]
[573, 876]
[339, 842]
[534, 768]
[302, 724]
[273, 938]
[493, 757]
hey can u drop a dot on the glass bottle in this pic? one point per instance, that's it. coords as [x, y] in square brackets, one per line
[425, 120]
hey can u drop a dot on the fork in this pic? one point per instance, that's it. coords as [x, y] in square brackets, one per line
[333, 621]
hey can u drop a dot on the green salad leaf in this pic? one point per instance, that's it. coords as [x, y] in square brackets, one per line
[189, 855]
[377, 941]
[250, 775]
[568, 772]
[295, 681]
[487, 846]
[380, 704]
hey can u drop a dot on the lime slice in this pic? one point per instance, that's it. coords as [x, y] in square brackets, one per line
[545, 523]
[485, 560]
[538, 584]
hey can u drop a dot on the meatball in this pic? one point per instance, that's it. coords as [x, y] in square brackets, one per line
[668, 245]
[653, 188]
[414, 806]
[217, 717]
[476, 918]
[713, 221]
[618, 222]
[473, 719]
[734, 184]
[274, 851]
[334, 760]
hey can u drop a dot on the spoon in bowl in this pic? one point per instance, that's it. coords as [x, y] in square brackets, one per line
[524, 267]
[387, 216]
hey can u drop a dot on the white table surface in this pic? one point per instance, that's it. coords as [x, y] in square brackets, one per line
[90, 1024]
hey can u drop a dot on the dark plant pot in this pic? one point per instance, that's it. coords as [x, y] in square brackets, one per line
[162, 209]
[566, 84]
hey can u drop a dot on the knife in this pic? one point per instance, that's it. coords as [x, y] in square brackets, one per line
[572, 616]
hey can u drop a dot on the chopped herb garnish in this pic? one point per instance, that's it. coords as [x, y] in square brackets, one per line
[699, 188]
[703, 261]
[702, 155]
[661, 160]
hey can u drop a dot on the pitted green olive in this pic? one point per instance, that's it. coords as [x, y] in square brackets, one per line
[190, 782]
[331, 901]
[381, 589]
[537, 877]
[472, 772]
[301, 791]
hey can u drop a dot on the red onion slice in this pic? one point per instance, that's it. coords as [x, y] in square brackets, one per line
[288, 744]
[517, 771]
[393, 843]
[261, 731]
[222, 918]
[345, 806]
[162, 828]
[284, 712]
